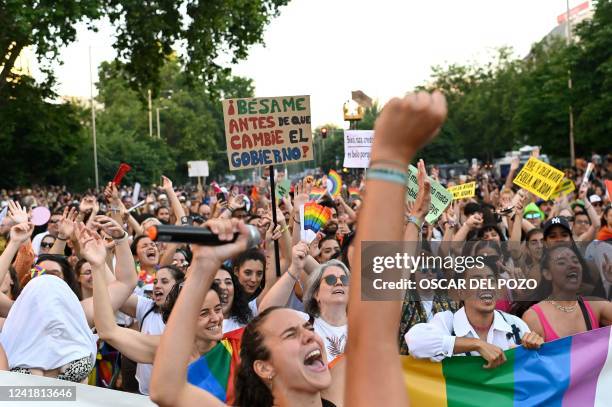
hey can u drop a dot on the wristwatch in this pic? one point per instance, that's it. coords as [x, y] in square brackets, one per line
[184, 220]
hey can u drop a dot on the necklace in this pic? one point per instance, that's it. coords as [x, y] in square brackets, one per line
[563, 308]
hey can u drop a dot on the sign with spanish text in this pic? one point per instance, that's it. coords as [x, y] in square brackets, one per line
[357, 147]
[267, 131]
[440, 197]
[539, 178]
[463, 191]
[564, 188]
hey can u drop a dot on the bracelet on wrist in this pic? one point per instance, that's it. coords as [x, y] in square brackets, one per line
[388, 174]
[122, 238]
[395, 163]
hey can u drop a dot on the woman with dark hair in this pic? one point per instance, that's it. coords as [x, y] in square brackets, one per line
[284, 361]
[605, 233]
[206, 351]
[9, 287]
[563, 312]
[234, 301]
[325, 299]
[148, 313]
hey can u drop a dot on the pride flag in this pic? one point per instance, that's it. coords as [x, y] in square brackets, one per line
[334, 183]
[215, 371]
[572, 371]
[316, 193]
[353, 192]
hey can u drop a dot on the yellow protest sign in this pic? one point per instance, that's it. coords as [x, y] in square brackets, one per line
[539, 178]
[564, 188]
[463, 191]
[265, 131]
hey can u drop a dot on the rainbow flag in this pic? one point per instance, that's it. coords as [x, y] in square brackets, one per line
[315, 216]
[353, 192]
[334, 183]
[215, 371]
[316, 193]
[572, 371]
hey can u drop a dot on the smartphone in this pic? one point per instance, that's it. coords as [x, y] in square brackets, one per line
[220, 197]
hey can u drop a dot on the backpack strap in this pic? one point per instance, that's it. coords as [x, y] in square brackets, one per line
[146, 315]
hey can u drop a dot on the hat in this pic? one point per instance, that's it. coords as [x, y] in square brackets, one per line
[162, 197]
[594, 198]
[577, 202]
[532, 208]
[556, 221]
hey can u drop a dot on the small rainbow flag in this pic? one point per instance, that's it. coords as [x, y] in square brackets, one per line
[315, 216]
[353, 192]
[334, 183]
[316, 193]
[571, 371]
[215, 371]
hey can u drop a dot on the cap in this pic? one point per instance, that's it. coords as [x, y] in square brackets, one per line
[556, 221]
[594, 198]
[162, 196]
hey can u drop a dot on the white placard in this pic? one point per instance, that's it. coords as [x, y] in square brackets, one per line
[198, 168]
[357, 147]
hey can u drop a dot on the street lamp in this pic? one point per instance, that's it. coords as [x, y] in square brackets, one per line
[353, 112]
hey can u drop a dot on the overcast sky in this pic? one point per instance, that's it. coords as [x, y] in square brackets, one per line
[327, 48]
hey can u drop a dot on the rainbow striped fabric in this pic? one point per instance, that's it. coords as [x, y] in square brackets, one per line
[215, 371]
[316, 193]
[315, 216]
[334, 183]
[353, 192]
[569, 372]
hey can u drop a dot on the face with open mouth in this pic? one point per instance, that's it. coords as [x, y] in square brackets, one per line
[298, 358]
[210, 322]
[564, 270]
[147, 252]
[334, 288]
[163, 283]
[250, 274]
[226, 286]
[484, 294]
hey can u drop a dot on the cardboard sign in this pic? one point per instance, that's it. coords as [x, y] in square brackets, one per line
[539, 178]
[564, 188]
[197, 168]
[463, 191]
[440, 197]
[282, 188]
[267, 131]
[357, 147]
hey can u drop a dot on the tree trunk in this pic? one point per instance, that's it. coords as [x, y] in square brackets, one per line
[9, 63]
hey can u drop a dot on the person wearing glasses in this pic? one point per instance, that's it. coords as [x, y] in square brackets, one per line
[325, 299]
[46, 244]
[52, 230]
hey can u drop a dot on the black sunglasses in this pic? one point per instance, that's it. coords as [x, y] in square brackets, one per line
[333, 280]
[46, 245]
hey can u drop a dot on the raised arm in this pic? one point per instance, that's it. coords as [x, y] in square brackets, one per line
[135, 345]
[20, 234]
[273, 233]
[280, 292]
[169, 385]
[65, 230]
[125, 280]
[374, 371]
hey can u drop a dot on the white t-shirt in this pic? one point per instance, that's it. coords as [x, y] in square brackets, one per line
[230, 324]
[334, 337]
[253, 307]
[152, 325]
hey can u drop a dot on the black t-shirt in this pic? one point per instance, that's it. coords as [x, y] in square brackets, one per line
[327, 403]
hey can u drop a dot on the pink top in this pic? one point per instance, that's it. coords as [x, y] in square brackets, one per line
[549, 332]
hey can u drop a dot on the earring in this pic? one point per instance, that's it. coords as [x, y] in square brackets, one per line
[270, 377]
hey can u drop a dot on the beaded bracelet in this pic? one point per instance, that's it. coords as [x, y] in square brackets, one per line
[388, 174]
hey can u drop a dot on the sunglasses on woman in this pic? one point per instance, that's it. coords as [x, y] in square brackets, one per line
[46, 245]
[332, 280]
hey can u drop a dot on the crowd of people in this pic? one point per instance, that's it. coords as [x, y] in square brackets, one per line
[89, 297]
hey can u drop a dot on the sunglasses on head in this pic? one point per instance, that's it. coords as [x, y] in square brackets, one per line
[333, 280]
[533, 215]
[46, 245]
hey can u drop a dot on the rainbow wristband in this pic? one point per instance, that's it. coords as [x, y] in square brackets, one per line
[388, 175]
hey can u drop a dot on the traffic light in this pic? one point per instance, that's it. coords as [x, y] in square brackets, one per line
[324, 132]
